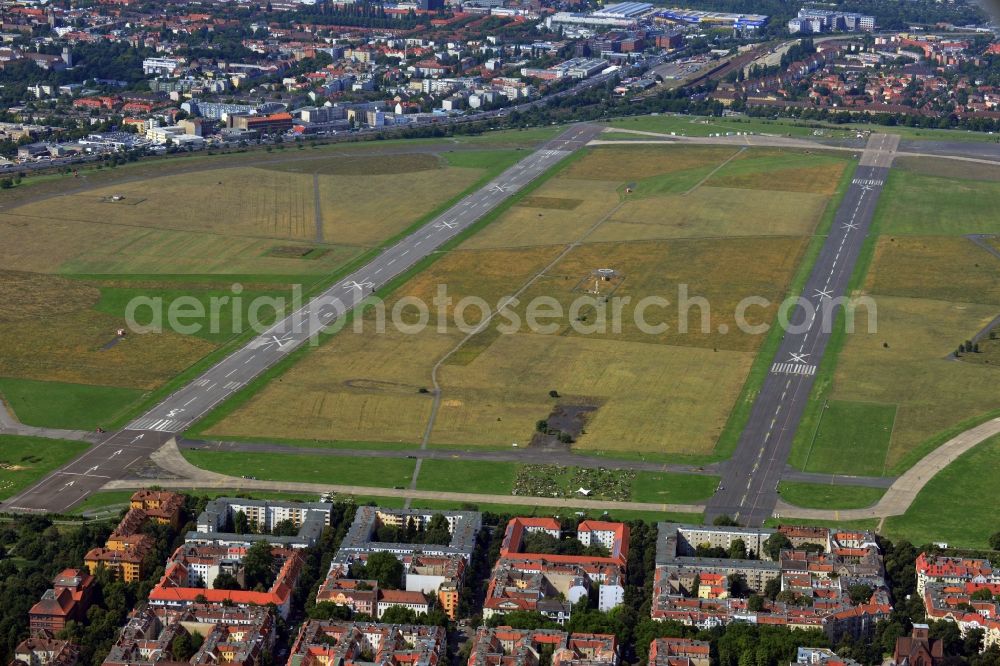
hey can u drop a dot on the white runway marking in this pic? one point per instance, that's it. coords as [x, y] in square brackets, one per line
[793, 369]
[159, 425]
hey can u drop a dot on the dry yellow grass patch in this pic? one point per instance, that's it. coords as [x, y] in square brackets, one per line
[939, 267]
[523, 226]
[628, 163]
[759, 174]
[37, 245]
[715, 211]
[718, 271]
[932, 392]
[367, 209]
[356, 387]
[653, 397]
[233, 202]
[69, 350]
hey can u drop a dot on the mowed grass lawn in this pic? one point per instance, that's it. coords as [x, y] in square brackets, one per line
[829, 496]
[384, 472]
[497, 478]
[955, 506]
[25, 460]
[68, 406]
[470, 476]
[670, 488]
[852, 438]
[929, 205]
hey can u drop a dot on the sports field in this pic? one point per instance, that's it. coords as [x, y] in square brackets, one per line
[658, 393]
[933, 289]
[224, 234]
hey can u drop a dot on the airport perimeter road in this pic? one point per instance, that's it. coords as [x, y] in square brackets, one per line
[748, 491]
[124, 450]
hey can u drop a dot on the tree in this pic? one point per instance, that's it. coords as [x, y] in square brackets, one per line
[226, 581]
[772, 588]
[398, 615]
[285, 528]
[995, 541]
[386, 569]
[258, 565]
[182, 647]
[738, 586]
[776, 543]
[327, 610]
[859, 593]
[738, 549]
[437, 530]
[982, 594]
[240, 523]
[755, 603]
[725, 521]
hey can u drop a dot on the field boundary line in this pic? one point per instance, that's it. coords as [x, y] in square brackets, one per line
[716, 170]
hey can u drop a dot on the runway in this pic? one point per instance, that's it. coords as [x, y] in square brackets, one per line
[748, 491]
[121, 452]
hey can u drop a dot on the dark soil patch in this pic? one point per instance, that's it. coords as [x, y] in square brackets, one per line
[551, 203]
[296, 252]
[563, 419]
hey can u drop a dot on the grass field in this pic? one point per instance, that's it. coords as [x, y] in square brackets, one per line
[673, 488]
[216, 229]
[949, 269]
[662, 394]
[492, 478]
[378, 472]
[852, 438]
[25, 460]
[61, 405]
[943, 168]
[870, 524]
[926, 205]
[932, 289]
[593, 514]
[704, 126]
[826, 496]
[952, 507]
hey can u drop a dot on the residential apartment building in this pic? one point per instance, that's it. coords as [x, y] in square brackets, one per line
[177, 589]
[696, 591]
[68, 599]
[39, 651]
[126, 549]
[520, 647]
[321, 643]
[231, 636]
[214, 524]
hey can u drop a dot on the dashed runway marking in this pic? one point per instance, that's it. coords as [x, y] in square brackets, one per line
[793, 369]
[159, 425]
